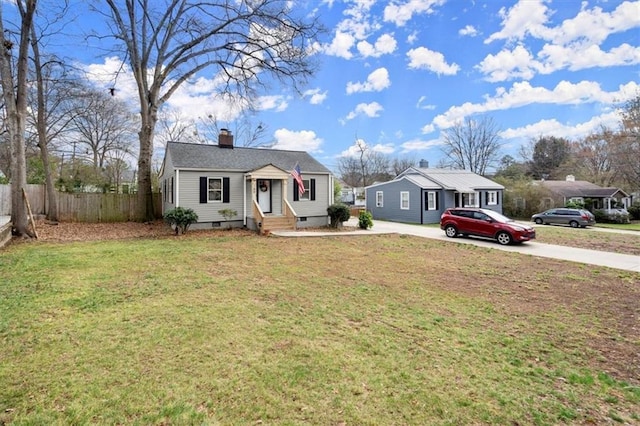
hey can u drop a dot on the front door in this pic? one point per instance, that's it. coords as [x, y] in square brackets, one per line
[264, 195]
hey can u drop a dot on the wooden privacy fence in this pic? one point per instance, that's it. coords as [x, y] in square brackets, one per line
[80, 207]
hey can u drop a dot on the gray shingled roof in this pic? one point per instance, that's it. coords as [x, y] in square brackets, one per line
[579, 188]
[212, 157]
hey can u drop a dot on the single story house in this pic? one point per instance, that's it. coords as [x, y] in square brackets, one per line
[421, 195]
[255, 183]
[564, 191]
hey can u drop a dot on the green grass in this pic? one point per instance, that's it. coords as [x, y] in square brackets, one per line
[633, 226]
[354, 330]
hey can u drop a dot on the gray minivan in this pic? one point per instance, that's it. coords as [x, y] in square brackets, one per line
[564, 216]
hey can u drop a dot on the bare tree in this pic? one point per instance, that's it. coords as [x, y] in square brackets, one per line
[14, 90]
[246, 133]
[168, 42]
[49, 94]
[399, 165]
[364, 168]
[627, 146]
[594, 159]
[472, 145]
[103, 125]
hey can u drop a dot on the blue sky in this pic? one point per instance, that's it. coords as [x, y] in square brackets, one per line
[397, 73]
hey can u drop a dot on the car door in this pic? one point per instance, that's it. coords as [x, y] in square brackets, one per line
[483, 225]
[563, 216]
[551, 216]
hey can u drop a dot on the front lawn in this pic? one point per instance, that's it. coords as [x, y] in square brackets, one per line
[387, 329]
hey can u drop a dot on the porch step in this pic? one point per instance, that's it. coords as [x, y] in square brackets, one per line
[278, 223]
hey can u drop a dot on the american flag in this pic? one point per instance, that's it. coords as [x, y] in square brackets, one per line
[297, 176]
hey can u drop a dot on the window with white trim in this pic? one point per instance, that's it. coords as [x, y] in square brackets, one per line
[214, 190]
[404, 200]
[431, 201]
[492, 198]
[470, 199]
[307, 190]
[379, 199]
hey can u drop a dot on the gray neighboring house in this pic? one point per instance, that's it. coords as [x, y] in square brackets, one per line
[256, 183]
[421, 195]
[570, 189]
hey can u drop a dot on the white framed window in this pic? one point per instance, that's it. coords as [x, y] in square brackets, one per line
[379, 199]
[404, 200]
[214, 190]
[432, 203]
[470, 199]
[307, 190]
[492, 198]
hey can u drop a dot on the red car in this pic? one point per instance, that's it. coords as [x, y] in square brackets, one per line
[484, 223]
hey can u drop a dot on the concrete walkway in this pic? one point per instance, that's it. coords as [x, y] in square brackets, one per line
[592, 257]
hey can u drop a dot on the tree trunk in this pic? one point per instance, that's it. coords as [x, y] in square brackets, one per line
[145, 194]
[41, 126]
[15, 94]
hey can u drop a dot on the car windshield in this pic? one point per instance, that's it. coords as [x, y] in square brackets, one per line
[497, 216]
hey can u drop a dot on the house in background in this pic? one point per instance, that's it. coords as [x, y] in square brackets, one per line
[565, 191]
[256, 183]
[421, 194]
[352, 195]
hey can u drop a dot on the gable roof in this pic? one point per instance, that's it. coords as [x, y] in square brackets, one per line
[579, 188]
[242, 159]
[456, 180]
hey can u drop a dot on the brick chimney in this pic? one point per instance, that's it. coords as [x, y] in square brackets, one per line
[225, 139]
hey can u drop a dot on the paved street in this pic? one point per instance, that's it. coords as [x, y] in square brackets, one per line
[593, 257]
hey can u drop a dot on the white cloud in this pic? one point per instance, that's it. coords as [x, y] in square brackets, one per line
[400, 14]
[573, 45]
[419, 145]
[385, 44]
[276, 103]
[376, 81]
[421, 104]
[593, 26]
[316, 97]
[509, 64]
[469, 30]
[358, 145]
[423, 58]
[553, 127]
[578, 57]
[428, 128]
[525, 17]
[411, 38]
[370, 110]
[340, 46]
[304, 140]
[113, 73]
[522, 93]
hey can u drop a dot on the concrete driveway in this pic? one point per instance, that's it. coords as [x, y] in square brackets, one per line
[592, 257]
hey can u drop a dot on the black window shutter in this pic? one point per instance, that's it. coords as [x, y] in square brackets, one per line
[497, 197]
[437, 196]
[203, 189]
[296, 194]
[225, 190]
[486, 198]
[313, 189]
